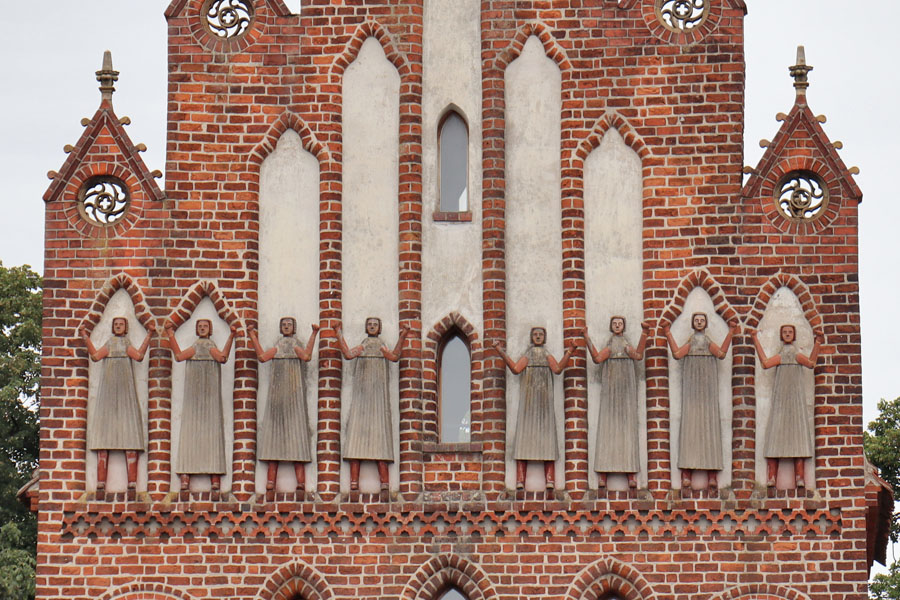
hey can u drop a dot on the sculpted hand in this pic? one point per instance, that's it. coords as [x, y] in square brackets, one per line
[645, 325]
[315, 327]
[151, 327]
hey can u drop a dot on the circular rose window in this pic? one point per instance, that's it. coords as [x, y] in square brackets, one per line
[801, 196]
[228, 19]
[103, 200]
[681, 15]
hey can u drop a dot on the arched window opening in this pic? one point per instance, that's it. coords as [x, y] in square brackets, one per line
[455, 374]
[452, 594]
[454, 163]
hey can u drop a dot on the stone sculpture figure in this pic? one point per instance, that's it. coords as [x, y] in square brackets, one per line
[618, 429]
[788, 434]
[700, 436]
[536, 422]
[115, 420]
[283, 434]
[201, 439]
[370, 424]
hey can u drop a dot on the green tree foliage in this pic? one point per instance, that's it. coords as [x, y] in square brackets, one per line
[20, 351]
[882, 444]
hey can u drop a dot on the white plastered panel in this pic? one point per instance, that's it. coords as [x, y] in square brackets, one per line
[288, 275]
[783, 309]
[451, 252]
[186, 337]
[370, 272]
[533, 230]
[613, 226]
[120, 305]
[699, 301]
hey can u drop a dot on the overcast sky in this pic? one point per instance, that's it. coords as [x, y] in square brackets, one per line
[52, 49]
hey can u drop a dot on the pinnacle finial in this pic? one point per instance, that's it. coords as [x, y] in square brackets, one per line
[799, 72]
[107, 77]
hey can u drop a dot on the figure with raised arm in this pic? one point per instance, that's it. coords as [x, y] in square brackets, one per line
[201, 439]
[700, 437]
[788, 434]
[536, 421]
[115, 420]
[283, 434]
[618, 426]
[370, 423]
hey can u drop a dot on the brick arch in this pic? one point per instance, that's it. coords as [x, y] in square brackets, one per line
[612, 120]
[197, 292]
[607, 576]
[545, 36]
[760, 591]
[293, 580]
[452, 323]
[445, 571]
[145, 591]
[121, 281]
[285, 121]
[367, 29]
[793, 283]
[699, 278]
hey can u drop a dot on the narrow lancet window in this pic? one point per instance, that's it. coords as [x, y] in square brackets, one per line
[455, 368]
[454, 147]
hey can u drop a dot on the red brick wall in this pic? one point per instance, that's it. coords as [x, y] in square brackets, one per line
[678, 101]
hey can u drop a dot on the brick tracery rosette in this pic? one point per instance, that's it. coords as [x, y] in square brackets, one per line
[265, 13]
[700, 278]
[686, 37]
[145, 591]
[440, 332]
[609, 577]
[295, 580]
[89, 228]
[443, 572]
[769, 202]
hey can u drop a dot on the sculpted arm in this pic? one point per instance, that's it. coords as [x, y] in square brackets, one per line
[515, 367]
[678, 352]
[94, 352]
[180, 354]
[810, 361]
[558, 367]
[139, 353]
[305, 354]
[348, 352]
[261, 354]
[222, 356]
[394, 355]
[638, 353]
[766, 361]
[720, 351]
[597, 355]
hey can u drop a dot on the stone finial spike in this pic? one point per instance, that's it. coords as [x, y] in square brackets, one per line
[799, 72]
[107, 77]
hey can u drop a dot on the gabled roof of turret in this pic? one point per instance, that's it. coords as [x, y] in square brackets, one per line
[104, 123]
[801, 125]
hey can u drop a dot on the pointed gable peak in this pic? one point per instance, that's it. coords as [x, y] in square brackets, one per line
[801, 129]
[106, 126]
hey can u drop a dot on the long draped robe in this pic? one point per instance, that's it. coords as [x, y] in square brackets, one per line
[536, 421]
[370, 425]
[618, 435]
[116, 421]
[700, 440]
[284, 430]
[789, 434]
[201, 440]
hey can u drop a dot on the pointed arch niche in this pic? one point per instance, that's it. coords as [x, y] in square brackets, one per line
[613, 228]
[120, 304]
[783, 308]
[370, 228]
[186, 336]
[288, 273]
[533, 84]
[699, 300]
